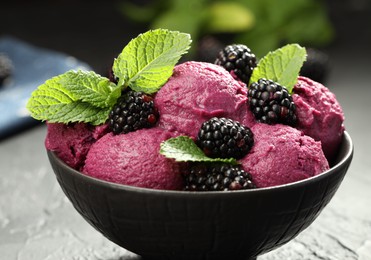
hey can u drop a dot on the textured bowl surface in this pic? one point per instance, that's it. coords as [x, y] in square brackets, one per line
[159, 224]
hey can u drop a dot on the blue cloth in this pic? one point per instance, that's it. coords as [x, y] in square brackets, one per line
[32, 67]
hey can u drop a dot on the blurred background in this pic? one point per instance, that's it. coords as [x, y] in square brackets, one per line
[96, 31]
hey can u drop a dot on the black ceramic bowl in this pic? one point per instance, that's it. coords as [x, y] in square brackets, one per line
[176, 225]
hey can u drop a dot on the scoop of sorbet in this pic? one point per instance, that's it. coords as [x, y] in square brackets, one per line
[134, 159]
[319, 114]
[282, 154]
[71, 142]
[198, 91]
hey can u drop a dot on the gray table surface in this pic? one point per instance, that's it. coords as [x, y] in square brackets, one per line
[38, 222]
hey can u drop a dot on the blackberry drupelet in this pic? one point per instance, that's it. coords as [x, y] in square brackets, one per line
[217, 177]
[133, 111]
[224, 138]
[239, 59]
[271, 103]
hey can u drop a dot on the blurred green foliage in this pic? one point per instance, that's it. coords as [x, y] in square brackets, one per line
[262, 25]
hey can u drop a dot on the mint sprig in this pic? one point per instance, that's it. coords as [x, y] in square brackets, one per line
[147, 62]
[282, 66]
[183, 149]
[75, 96]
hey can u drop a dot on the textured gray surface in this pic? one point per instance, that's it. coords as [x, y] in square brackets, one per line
[38, 222]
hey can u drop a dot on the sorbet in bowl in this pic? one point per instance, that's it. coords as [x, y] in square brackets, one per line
[187, 160]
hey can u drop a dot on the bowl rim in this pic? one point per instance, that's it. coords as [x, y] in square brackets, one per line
[346, 139]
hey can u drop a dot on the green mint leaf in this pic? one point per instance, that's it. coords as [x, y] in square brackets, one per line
[282, 66]
[68, 112]
[89, 87]
[183, 148]
[74, 97]
[147, 62]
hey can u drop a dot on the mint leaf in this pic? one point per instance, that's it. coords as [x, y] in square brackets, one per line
[183, 148]
[74, 97]
[282, 66]
[89, 87]
[69, 112]
[147, 62]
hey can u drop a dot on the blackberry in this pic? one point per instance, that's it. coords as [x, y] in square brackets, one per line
[239, 59]
[271, 103]
[224, 138]
[133, 111]
[6, 67]
[217, 177]
[316, 67]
